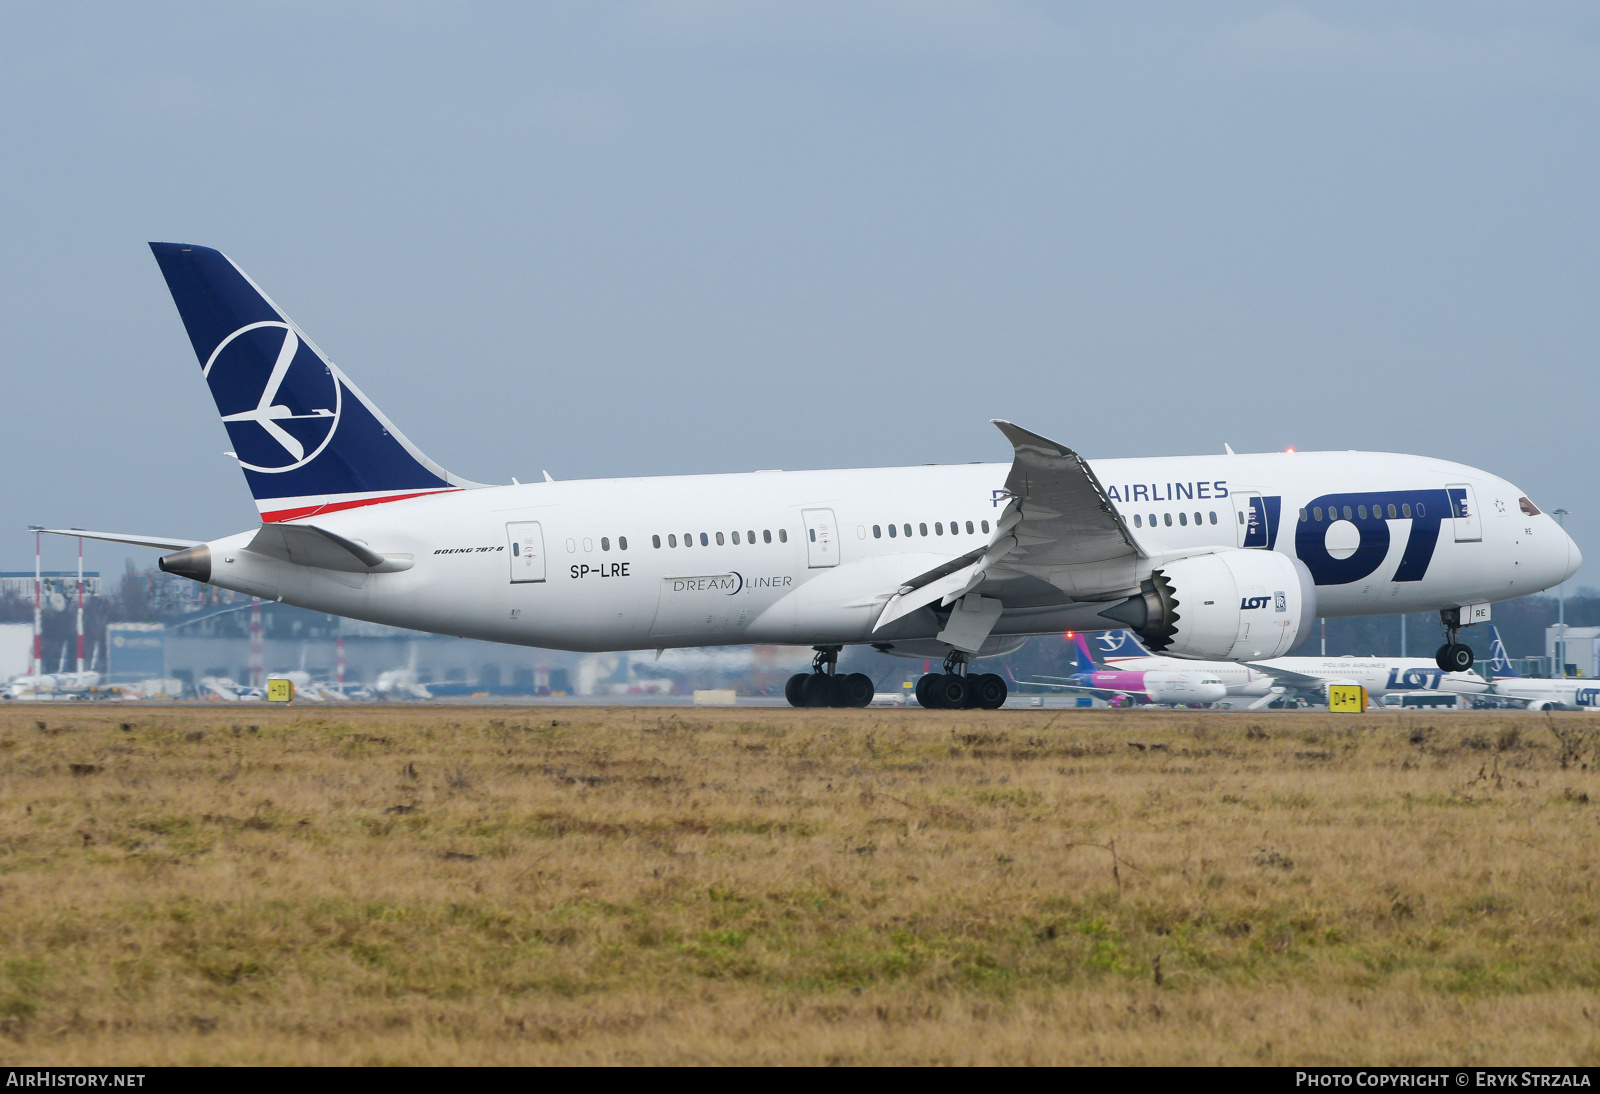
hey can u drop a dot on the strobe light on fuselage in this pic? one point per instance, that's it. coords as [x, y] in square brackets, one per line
[1227, 606]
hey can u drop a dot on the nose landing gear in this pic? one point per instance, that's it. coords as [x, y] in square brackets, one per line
[955, 689]
[1453, 656]
[823, 687]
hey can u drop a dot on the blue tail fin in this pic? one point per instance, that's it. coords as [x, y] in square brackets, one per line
[1121, 643]
[1499, 662]
[307, 439]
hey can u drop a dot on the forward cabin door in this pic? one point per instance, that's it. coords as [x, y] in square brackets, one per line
[1256, 519]
[1464, 510]
[822, 538]
[526, 544]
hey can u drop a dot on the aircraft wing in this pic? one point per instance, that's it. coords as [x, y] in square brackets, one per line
[1287, 677]
[1047, 683]
[1066, 518]
[1059, 520]
[165, 543]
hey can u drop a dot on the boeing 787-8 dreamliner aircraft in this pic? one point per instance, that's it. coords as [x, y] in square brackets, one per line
[1225, 557]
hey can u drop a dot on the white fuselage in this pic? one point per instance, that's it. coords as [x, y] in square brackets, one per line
[806, 557]
[1577, 694]
[1378, 675]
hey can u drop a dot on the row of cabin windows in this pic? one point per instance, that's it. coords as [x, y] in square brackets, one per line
[938, 529]
[1395, 512]
[1183, 519]
[705, 538]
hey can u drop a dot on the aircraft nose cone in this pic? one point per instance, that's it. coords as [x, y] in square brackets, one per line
[1574, 556]
[1213, 693]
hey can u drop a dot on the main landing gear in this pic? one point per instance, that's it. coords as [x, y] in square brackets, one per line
[823, 687]
[1453, 656]
[954, 689]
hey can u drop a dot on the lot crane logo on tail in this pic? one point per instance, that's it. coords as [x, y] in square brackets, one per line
[271, 433]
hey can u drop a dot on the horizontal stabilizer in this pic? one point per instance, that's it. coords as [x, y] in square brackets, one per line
[164, 543]
[308, 545]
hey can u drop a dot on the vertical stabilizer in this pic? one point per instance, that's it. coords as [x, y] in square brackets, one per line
[306, 437]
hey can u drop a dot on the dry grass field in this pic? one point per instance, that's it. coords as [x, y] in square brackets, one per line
[583, 885]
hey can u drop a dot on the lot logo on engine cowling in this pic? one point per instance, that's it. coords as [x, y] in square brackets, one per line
[1371, 514]
[1249, 602]
[279, 399]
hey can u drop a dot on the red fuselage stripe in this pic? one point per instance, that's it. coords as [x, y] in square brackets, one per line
[335, 506]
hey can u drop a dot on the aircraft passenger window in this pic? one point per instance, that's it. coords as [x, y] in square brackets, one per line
[1304, 516]
[894, 530]
[1137, 523]
[1153, 520]
[688, 539]
[938, 528]
[704, 540]
[1391, 510]
[672, 541]
[985, 526]
[1361, 511]
[908, 531]
[813, 532]
[605, 543]
[588, 545]
[719, 538]
[750, 536]
[655, 541]
[955, 527]
[1241, 516]
[1317, 512]
[622, 543]
[1346, 512]
[877, 531]
[766, 536]
[1214, 515]
[783, 535]
[969, 528]
[1168, 518]
[1183, 519]
[1422, 510]
[923, 528]
[1405, 509]
[1197, 520]
[736, 539]
[572, 546]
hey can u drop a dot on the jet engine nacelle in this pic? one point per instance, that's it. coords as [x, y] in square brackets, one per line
[1228, 606]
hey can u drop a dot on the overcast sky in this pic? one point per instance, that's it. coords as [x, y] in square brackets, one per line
[674, 238]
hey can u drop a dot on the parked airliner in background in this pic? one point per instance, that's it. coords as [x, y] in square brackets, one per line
[1226, 558]
[1126, 663]
[1560, 693]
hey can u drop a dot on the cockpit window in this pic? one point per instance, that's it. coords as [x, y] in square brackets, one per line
[1528, 507]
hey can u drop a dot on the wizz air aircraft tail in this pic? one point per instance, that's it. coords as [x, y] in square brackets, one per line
[1226, 557]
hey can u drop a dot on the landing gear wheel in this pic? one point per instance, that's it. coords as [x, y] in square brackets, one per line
[1458, 658]
[794, 689]
[925, 689]
[988, 691]
[817, 691]
[952, 691]
[855, 690]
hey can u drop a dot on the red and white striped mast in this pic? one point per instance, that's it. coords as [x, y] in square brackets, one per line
[38, 608]
[258, 676]
[80, 608]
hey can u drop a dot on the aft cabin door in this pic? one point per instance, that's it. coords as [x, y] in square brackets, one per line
[1464, 510]
[527, 550]
[822, 538]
